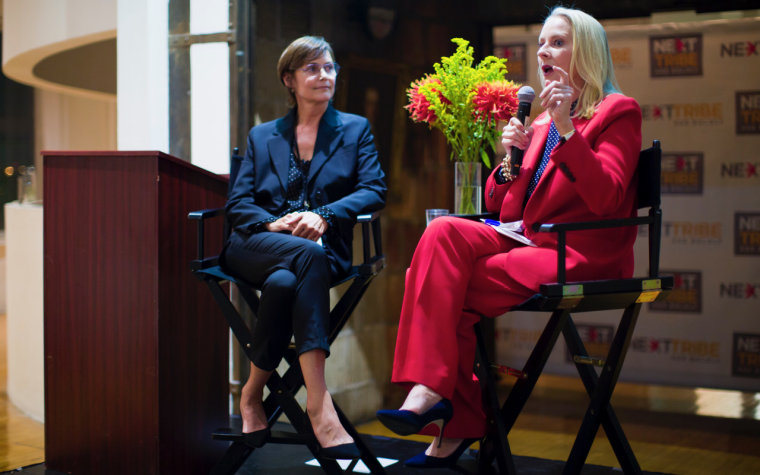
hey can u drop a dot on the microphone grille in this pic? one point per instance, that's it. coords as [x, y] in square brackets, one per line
[526, 94]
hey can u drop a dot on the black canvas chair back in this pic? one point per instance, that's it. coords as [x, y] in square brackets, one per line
[649, 176]
[283, 387]
[563, 298]
[235, 160]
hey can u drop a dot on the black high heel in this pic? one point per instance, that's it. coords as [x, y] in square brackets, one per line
[426, 461]
[342, 451]
[404, 422]
[256, 438]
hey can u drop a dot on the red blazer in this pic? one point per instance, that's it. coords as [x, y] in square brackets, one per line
[589, 177]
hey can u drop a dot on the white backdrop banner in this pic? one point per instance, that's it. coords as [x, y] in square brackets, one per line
[698, 84]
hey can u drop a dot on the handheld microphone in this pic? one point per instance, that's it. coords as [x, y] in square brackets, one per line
[525, 95]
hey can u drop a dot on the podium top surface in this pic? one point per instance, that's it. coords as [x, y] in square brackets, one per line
[132, 154]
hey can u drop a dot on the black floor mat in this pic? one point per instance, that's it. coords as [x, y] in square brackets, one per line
[296, 460]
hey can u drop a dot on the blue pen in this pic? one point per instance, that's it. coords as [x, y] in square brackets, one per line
[492, 222]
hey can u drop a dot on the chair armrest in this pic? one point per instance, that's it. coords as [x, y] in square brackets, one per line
[478, 216]
[562, 228]
[583, 225]
[205, 213]
[368, 218]
[371, 234]
[201, 262]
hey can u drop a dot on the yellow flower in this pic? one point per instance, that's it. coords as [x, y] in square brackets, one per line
[464, 102]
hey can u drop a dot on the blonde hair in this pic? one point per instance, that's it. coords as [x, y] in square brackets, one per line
[591, 60]
[298, 53]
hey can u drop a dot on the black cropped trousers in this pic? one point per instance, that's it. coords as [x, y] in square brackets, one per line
[294, 275]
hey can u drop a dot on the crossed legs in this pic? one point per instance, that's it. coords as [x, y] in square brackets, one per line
[319, 406]
[294, 275]
[457, 274]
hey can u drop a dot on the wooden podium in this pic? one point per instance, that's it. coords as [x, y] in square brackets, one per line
[136, 372]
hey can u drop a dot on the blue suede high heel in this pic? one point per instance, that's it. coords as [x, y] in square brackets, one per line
[404, 422]
[426, 461]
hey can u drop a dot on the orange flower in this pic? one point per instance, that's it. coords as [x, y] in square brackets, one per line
[419, 105]
[495, 101]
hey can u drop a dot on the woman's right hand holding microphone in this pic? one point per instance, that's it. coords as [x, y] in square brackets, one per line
[514, 134]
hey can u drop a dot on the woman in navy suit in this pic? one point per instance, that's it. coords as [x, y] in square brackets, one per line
[304, 179]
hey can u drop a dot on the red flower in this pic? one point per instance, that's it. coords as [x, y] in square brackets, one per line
[495, 101]
[419, 105]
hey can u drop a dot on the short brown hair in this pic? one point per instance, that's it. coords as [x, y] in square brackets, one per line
[301, 51]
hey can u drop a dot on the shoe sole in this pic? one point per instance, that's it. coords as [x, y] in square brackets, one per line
[397, 426]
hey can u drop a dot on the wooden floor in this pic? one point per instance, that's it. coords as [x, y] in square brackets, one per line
[672, 430]
[22, 440]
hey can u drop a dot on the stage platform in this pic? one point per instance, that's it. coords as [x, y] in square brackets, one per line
[274, 459]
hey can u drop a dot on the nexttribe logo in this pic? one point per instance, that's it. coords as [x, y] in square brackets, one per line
[678, 349]
[622, 58]
[675, 55]
[683, 173]
[692, 232]
[686, 295]
[704, 113]
[740, 290]
[517, 339]
[740, 170]
[748, 112]
[596, 339]
[740, 49]
[746, 355]
[689, 232]
[517, 64]
[747, 234]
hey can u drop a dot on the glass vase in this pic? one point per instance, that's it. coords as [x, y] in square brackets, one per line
[468, 187]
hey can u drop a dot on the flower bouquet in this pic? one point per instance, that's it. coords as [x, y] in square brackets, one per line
[465, 102]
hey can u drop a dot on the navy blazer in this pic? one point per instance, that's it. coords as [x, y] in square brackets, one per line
[344, 175]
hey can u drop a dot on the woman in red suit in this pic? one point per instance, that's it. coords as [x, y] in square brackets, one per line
[579, 164]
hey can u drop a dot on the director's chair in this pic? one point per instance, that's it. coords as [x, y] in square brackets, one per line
[563, 298]
[283, 388]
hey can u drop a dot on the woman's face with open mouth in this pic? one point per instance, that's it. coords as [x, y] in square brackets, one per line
[555, 48]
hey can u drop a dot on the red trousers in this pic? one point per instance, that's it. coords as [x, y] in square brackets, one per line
[457, 274]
